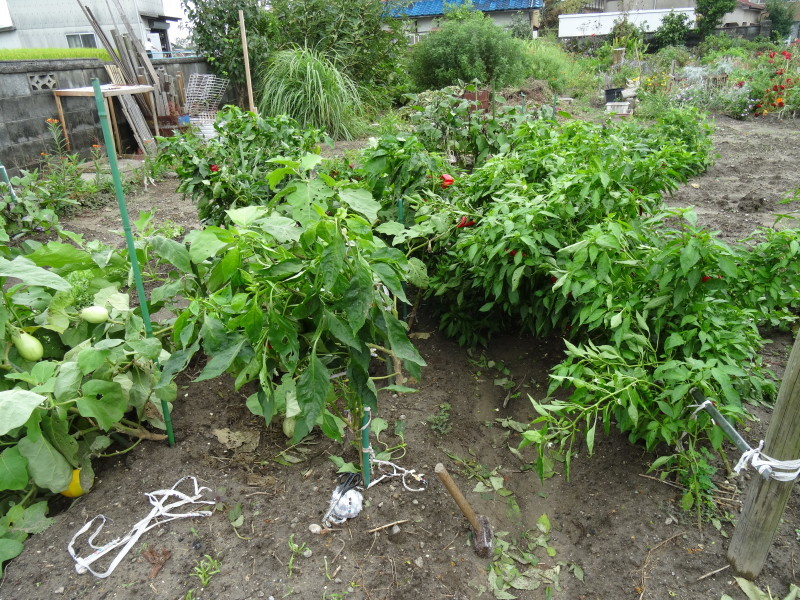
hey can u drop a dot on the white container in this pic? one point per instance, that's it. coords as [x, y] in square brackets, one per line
[618, 108]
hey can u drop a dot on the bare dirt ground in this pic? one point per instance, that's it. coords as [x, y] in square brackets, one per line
[624, 534]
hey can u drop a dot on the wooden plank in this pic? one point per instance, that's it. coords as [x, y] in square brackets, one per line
[128, 69]
[137, 45]
[766, 499]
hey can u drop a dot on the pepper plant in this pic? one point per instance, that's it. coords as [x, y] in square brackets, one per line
[77, 368]
[293, 296]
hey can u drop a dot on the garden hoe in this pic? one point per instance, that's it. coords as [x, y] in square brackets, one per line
[482, 535]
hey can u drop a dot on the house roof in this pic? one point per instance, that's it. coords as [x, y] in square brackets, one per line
[427, 8]
[753, 5]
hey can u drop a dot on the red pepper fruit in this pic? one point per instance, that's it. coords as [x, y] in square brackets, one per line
[447, 180]
[214, 168]
[470, 224]
[706, 278]
[553, 278]
[462, 222]
[512, 252]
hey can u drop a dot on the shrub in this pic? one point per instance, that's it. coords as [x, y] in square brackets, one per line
[466, 50]
[549, 62]
[679, 54]
[781, 15]
[709, 13]
[308, 87]
[673, 30]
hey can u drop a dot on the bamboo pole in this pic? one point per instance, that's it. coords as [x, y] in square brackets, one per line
[126, 226]
[766, 499]
[246, 63]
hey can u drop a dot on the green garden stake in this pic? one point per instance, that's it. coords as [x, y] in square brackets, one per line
[126, 226]
[8, 182]
[401, 217]
[365, 448]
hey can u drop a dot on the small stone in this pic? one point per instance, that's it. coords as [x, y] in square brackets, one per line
[415, 501]
[337, 580]
[394, 530]
[59, 590]
[669, 521]
[380, 504]
[421, 545]
[419, 562]
[314, 528]
[307, 553]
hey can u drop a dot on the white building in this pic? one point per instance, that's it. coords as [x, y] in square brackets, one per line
[62, 23]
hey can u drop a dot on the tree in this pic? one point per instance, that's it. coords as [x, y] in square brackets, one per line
[366, 41]
[217, 36]
[521, 26]
[709, 14]
[673, 30]
[782, 16]
[463, 50]
[552, 9]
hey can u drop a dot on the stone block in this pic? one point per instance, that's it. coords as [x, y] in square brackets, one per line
[28, 130]
[14, 85]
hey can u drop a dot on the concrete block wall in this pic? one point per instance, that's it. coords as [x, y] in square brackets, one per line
[27, 101]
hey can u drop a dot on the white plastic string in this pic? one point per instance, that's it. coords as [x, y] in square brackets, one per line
[388, 469]
[163, 511]
[779, 470]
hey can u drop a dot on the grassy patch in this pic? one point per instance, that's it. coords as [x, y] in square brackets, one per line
[53, 53]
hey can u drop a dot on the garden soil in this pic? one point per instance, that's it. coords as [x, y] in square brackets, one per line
[615, 532]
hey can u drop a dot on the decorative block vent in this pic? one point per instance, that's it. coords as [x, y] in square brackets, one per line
[42, 82]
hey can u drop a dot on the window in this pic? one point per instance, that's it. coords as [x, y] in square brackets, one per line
[81, 40]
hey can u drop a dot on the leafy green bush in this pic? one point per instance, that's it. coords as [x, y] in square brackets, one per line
[669, 54]
[548, 61]
[467, 50]
[232, 169]
[709, 14]
[369, 44]
[215, 33]
[308, 87]
[456, 126]
[673, 30]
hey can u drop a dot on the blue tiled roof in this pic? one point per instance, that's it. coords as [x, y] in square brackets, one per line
[426, 8]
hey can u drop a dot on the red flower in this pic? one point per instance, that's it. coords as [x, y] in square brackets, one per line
[512, 252]
[553, 278]
[447, 180]
[783, 87]
[758, 106]
[780, 104]
[739, 83]
[774, 88]
[214, 168]
[772, 54]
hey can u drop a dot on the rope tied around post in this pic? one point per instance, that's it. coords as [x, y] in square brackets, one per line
[767, 467]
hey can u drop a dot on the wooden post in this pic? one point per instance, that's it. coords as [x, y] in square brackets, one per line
[766, 498]
[246, 63]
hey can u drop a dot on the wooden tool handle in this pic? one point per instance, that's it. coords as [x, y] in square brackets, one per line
[448, 482]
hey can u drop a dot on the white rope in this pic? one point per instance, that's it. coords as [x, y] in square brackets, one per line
[162, 513]
[779, 470]
[388, 469]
